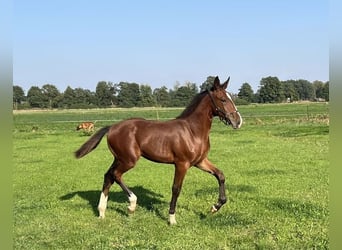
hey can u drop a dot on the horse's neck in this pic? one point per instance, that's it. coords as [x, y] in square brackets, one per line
[201, 118]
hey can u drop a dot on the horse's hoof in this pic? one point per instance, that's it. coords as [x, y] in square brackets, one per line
[213, 209]
[172, 219]
[130, 210]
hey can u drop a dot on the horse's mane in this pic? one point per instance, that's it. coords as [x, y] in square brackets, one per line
[193, 104]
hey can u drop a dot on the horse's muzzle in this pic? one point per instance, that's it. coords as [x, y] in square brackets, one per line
[235, 119]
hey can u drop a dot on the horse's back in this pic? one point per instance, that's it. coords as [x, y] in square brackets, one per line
[159, 141]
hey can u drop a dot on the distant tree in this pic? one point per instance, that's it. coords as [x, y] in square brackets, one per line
[105, 94]
[246, 93]
[18, 96]
[84, 98]
[325, 92]
[192, 88]
[69, 98]
[35, 97]
[51, 96]
[161, 96]
[304, 89]
[181, 96]
[146, 97]
[129, 95]
[290, 90]
[318, 88]
[271, 90]
[207, 84]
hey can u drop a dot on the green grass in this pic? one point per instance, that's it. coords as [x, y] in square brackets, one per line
[276, 170]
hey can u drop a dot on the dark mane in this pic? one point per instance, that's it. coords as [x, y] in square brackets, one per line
[193, 104]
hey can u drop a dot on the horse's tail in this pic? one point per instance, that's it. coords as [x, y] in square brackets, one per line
[92, 143]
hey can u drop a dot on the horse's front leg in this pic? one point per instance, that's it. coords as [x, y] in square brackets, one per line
[180, 171]
[222, 191]
[207, 166]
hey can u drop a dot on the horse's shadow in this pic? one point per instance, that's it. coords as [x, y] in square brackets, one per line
[147, 199]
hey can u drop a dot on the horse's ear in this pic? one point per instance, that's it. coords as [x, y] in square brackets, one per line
[216, 83]
[225, 84]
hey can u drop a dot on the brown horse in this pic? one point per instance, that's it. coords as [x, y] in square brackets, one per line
[183, 141]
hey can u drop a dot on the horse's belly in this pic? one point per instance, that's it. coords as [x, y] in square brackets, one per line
[158, 153]
[173, 152]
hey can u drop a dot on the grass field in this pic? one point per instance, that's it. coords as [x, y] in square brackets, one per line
[276, 169]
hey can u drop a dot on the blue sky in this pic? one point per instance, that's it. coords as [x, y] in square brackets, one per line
[78, 43]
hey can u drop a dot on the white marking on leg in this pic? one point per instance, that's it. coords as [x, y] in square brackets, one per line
[102, 205]
[172, 219]
[133, 202]
[213, 209]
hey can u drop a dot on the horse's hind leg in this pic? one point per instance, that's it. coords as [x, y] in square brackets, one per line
[107, 183]
[114, 174]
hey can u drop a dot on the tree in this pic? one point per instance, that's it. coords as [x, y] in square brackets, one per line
[105, 94]
[325, 92]
[129, 95]
[208, 83]
[146, 97]
[84, 98]
[51, 96]
[304, 89]
[69, 98]
[271, 90]
[246, 93]
[290, 91]
[319, 88]
[181, 96]
[161, 96]
[18, 96]
[35, 97]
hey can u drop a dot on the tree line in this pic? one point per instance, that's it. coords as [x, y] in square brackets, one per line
[126, 94]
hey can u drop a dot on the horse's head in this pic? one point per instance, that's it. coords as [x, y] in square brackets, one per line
[223, 104]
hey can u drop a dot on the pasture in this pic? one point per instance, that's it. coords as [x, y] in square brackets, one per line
[276, 169]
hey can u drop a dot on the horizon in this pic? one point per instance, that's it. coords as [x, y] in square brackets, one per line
[172, 88]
